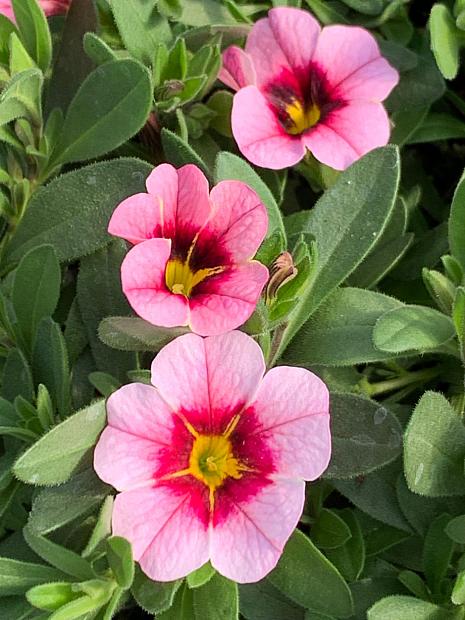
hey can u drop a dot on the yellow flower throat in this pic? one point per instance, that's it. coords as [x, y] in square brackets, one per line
[301, 117]
[180, 279]
[212, 459]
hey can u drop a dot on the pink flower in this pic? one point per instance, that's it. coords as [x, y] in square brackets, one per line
[302, 87]
[50, 7]
[210, 463]
[191, 263]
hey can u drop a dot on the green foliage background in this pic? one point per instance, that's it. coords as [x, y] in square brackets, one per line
[88, 105]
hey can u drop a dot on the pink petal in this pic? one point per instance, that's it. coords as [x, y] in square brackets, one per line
[168, 539]
[184, 197]
[54, 7]
[7, 10]
[238, 223]
[248, 543]
[292, 406]
[226, 301]
[137, 218]
[258, 133]
[348, 133]
[139, 427]
[352, 63]
[139, 409]
[286, 39]
[143, 280]
[210, 377]
[373, 82]
[125, 461]
[237, 70]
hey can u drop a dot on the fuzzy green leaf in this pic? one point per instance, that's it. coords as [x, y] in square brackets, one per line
[72, 212]
[434, 448]
[53, 458]
[111, 105]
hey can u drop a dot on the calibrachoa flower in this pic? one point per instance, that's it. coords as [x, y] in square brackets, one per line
[191, 263]
[210, 461]
[50, 7]
[302, 87]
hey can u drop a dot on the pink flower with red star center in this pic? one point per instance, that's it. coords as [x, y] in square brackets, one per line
[210, 460]
[191, 264]
[303, 87]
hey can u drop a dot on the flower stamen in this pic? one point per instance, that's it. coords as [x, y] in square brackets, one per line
[180, 279]
[301, 117]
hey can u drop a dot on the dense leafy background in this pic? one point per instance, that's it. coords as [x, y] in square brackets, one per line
[88, 104]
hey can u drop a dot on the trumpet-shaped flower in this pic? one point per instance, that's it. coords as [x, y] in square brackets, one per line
[50, 7]
[304, 87]
[210, 460]
[191, 262]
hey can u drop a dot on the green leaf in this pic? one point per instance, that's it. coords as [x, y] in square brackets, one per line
[445, 41]
[455, 529]
[17, 377]
[141, 27]
[413, 582]
[230, 166]
[119, 554]
[200, 576]
[53, 458]
[407, 608]
[135, 334]
[434, 448]
[419, 510]
[203, 12]
[216, 600]
[308, 578]
[60, 557]
[262, 601]
[346, 223]
[412, 328]
[51, 596]
[50, 364]
[437, 554]
[99, 294]
[72, 212]
[54, 507]
[16, 577]
[347, 316]
[221, 103]
[365, 435]
[350, 557]
[458, 593]
[457, 223]
[72, 65]
[379, 263]
[182, 607]
[6, 29]
[19, 58]
[376, 495]
[153, 596]
[21, 97]
[437, 126]
[36, 289]
[410, 101]
[97, 49]
[34, 30]
[111, 105]
[329, 530]
[179, 152]
[102, 527]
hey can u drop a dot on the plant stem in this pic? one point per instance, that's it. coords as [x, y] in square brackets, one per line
[381, 387]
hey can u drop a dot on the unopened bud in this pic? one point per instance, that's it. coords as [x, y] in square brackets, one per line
[283, 270]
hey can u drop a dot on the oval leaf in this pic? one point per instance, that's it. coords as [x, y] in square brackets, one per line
[53, 458]
[111, 106]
